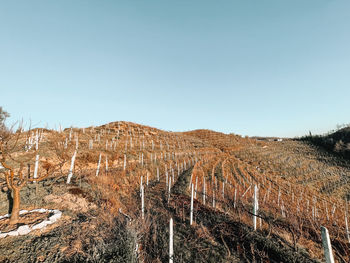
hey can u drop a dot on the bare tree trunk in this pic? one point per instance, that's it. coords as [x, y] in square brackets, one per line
[16, 204]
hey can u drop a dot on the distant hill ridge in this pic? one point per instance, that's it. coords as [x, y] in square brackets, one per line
[337, 142]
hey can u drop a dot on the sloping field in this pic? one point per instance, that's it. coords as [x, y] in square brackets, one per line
[128, 180]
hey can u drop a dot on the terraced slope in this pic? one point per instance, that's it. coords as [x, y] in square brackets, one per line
[299, 189]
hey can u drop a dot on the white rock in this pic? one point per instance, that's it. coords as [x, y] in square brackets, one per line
[58, 212]
[13, 233]
[23, 230]
[48, 222]
[54, 218]
[40, 225]
[4, 216]
[23, 212]
[40, 210]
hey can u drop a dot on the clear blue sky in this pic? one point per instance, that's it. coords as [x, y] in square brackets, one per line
[278, 68]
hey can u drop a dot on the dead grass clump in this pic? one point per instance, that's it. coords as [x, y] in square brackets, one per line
[100, 239]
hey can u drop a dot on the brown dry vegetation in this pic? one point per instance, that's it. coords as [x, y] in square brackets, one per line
[300, 189]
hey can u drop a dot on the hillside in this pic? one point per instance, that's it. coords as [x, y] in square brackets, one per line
[298, 189]
[337, 142]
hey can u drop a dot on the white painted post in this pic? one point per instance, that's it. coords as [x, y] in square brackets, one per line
[169, 189]
[191, 215]
[171, 241]
[223, 190]
[195, 188]
[36, 166]
[333, 210]
[189, 186]
[327, 247]
[256, 206]
[124, 161]
[158, 174]
[234, 199]
[71, 167]
[346, 221]
[203, 190]
[37, 142]
[142, 203]
[141, 183]
[282, 210]
[70, 134]
[98, 165]
[213, 197]
[91, 144]
[166, 177]
[106, 163]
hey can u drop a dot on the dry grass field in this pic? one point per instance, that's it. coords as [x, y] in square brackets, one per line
[299, 189]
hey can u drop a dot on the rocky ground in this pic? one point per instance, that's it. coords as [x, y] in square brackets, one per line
[85, 233]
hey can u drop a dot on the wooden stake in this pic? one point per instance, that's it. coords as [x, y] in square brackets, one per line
[195, 189]
[327, 247]
[256, 206]
[169, 189]
[203, 190]
[346, 221]
[234, 199]
[171, 242]
[36, 166]
[98, 165]
[142, 203]
[191, 211]
[71, 168]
